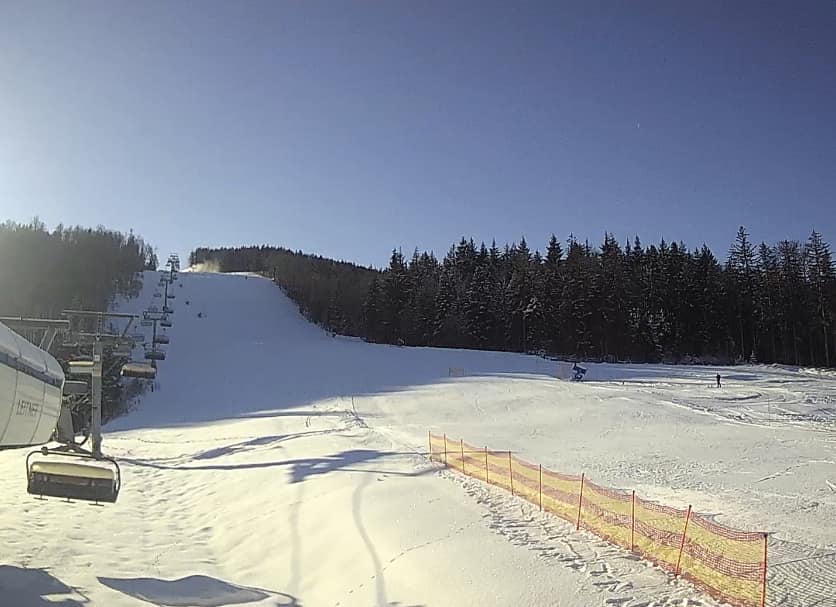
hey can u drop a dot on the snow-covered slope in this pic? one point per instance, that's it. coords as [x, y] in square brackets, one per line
[276, 465]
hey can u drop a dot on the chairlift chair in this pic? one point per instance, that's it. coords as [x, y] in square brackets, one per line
[80, 367]
[146, 323]
[167, 310]
[157, 295]
[161, 339]
[121, 351]
[171, 296]
[95, 479]
[75, 388]
[138, 370]
[165, 323]
[155, 355]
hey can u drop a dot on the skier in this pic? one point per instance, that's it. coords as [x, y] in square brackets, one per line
[718, 380]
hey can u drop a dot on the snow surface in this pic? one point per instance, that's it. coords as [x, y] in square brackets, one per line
[276, 465]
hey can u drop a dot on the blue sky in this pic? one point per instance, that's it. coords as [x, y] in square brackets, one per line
[348, 129]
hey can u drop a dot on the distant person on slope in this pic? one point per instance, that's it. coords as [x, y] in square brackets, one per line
[718, 380]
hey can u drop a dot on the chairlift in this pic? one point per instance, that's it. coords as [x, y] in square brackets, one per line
[121, 352]
[138, 370]
[95, 479]
[165, 323]
[161, 339]
[146, 323]
[167, 310]
[81, 367]
[75, 388]
[171, 296]
[155, 355]
[157, 295]
[138, 337]
[153, 309]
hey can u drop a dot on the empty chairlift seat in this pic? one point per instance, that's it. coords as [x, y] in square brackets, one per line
[75, 388]
[81, 367]
[155, 355]
[122, 351]
[86, 478]
[138, 370]
[161, 339]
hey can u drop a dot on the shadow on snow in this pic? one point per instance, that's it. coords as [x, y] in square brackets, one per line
[301, 469]
[24, 587]
[194, 591]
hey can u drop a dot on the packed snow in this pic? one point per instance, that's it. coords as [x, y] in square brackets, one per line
[274, 464]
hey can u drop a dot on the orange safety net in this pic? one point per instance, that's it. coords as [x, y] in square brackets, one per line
[728, 564]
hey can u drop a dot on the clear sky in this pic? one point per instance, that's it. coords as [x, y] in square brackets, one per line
[349, 128]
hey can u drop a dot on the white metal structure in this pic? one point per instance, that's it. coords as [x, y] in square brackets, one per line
[31, 382]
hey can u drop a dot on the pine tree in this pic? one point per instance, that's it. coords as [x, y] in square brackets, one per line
[479, 314]
[742, 266]
[552, 288]
[821, 277]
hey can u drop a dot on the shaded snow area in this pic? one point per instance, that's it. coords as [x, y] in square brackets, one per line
[276, 465]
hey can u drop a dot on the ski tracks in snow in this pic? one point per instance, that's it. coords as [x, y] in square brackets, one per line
[620, 578]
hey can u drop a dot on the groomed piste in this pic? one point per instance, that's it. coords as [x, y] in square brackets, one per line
[274, 464]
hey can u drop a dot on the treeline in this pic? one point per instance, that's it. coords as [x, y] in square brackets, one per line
[766, 303]
[329, 293]
[45, 272]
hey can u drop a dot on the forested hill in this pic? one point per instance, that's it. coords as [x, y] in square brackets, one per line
[43, 273]
[663, 302]
[328, 292]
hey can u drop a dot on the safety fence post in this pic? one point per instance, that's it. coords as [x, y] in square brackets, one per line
[511, 473]
[487, 477]
[763, 592]
[461, 446]
[580, 501]
[682, 543]
[445, 449]
[633, 521]
[541, 487]
[430, 444]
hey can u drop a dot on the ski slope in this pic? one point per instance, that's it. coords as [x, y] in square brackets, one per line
[274, 465]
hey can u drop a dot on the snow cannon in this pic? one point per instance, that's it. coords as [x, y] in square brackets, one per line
[89, 479]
